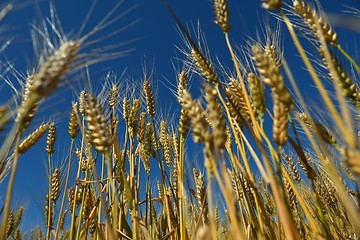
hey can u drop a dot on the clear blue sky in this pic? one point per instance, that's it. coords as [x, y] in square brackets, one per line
[158, 35]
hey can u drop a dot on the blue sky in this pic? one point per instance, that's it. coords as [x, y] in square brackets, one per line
[156, 46]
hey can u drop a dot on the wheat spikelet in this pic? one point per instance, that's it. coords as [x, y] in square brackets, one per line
[222, 14]
[293, 169]
[269, 50]
[92, 227]
[175, 145]
[217, 217]
[148, 205]
[304, 166]
[39, 234]
[27, 109]
[71, 198]
[311, 18]
[150, 100]
[326, 190]
[320, 129]
[18, 217]
[184, 123]
[10, 227]
[294, 207]
[350, 89]
[236, 185]
[82, 102]
[229, 138]
[236, 112]
[84, 165]
[272, 4]
[73, 128]
[48, 213]
[51, 137]
[134, 115]
[79, 154]
[141, 127]
[216, 117]
[235, 93]
[80, 191]
[55, 185]
[100, 132]
[248, 190]
[270, 207]
[182, 85]
[126, 110]
[190, 209]
[175, 176]
[197, 115]
[291, 195]
[163, 134]
[280, 123]
[273, 76]
[167, 150]
[147, 148]
[257, 94]
[114, 122]
[348, 172]
[54, 68]
[113, 95]
[62, 220]
[153, 212]
[31, 139]
[155, 141]
[88, 203]
[201, 194]
[305, 118]
[325, 134]
[90, 160]
[160, 191]
[18, 235]
[204, 66]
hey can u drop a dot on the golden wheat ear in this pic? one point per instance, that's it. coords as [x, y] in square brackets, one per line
[311, 18]
[222, 14]
[97, 124]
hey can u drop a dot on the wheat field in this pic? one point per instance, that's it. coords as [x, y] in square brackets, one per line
[270, 163]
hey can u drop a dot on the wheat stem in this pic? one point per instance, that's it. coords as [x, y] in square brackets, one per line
[6, 209]
[65, 189]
